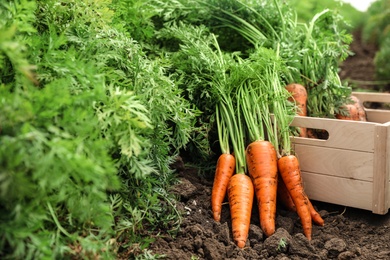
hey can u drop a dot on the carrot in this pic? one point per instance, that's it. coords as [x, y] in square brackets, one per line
[316, 217]
[224, 170]
[350, 113]
[360, 108]
[290, 172]
[284, 197]
[299, 97]
[240, 194]
[261, 159]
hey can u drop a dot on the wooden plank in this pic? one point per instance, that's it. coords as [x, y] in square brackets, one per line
[335, 162]
[343, 134]
[372, 97]
[380, 178]
[378, 115]
[340, 191]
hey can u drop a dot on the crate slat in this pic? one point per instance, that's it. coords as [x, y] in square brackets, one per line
[336, 190]
[343, 134]
[331, 161]
[378, 115]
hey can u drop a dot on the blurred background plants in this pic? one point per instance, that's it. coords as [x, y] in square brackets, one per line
[376, 30]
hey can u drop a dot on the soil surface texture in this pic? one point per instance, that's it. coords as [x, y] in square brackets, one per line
[348, 233]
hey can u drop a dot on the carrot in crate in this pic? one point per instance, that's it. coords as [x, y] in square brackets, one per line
[299, 97]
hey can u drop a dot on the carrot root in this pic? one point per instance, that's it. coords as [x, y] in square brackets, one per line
[352, 113]
[316, 217]
[224, 170]
[240, 194]
[262, 166]
[290, 172]
[284, 196]
[359, 106]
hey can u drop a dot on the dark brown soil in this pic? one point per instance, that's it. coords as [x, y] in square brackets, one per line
[359, 68]
[348, 233]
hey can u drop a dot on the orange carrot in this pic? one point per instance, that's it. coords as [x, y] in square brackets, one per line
[360, 108]
[262, 166]
[351, 113]
[290, 172]
[299, 97]
[240, 194]
[225, 168]
[284, 196]
[316, 217]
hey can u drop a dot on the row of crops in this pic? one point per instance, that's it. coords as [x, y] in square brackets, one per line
[99, 97]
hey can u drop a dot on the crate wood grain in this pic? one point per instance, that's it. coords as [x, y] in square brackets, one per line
[351, 167]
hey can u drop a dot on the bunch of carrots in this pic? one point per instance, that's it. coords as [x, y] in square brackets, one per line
[253, 118]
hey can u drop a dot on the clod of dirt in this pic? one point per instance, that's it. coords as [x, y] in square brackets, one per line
[346, 255]
[285, 223]
[223, 233]
[214, 249]
[278, 242]
[335, 246]
[255, 234]
[184, 188]
[302, 247]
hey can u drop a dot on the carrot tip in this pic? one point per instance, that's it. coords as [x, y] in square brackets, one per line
[241, 244]
[217, 216]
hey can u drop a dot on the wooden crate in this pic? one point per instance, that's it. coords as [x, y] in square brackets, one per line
[351, 167]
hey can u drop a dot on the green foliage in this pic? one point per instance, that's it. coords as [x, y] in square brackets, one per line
[134, 17]
[89, 127]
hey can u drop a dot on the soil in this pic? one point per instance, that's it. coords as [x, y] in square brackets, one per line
[359, 67]
[348, 233]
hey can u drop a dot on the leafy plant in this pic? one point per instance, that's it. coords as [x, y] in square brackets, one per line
[88, 131]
